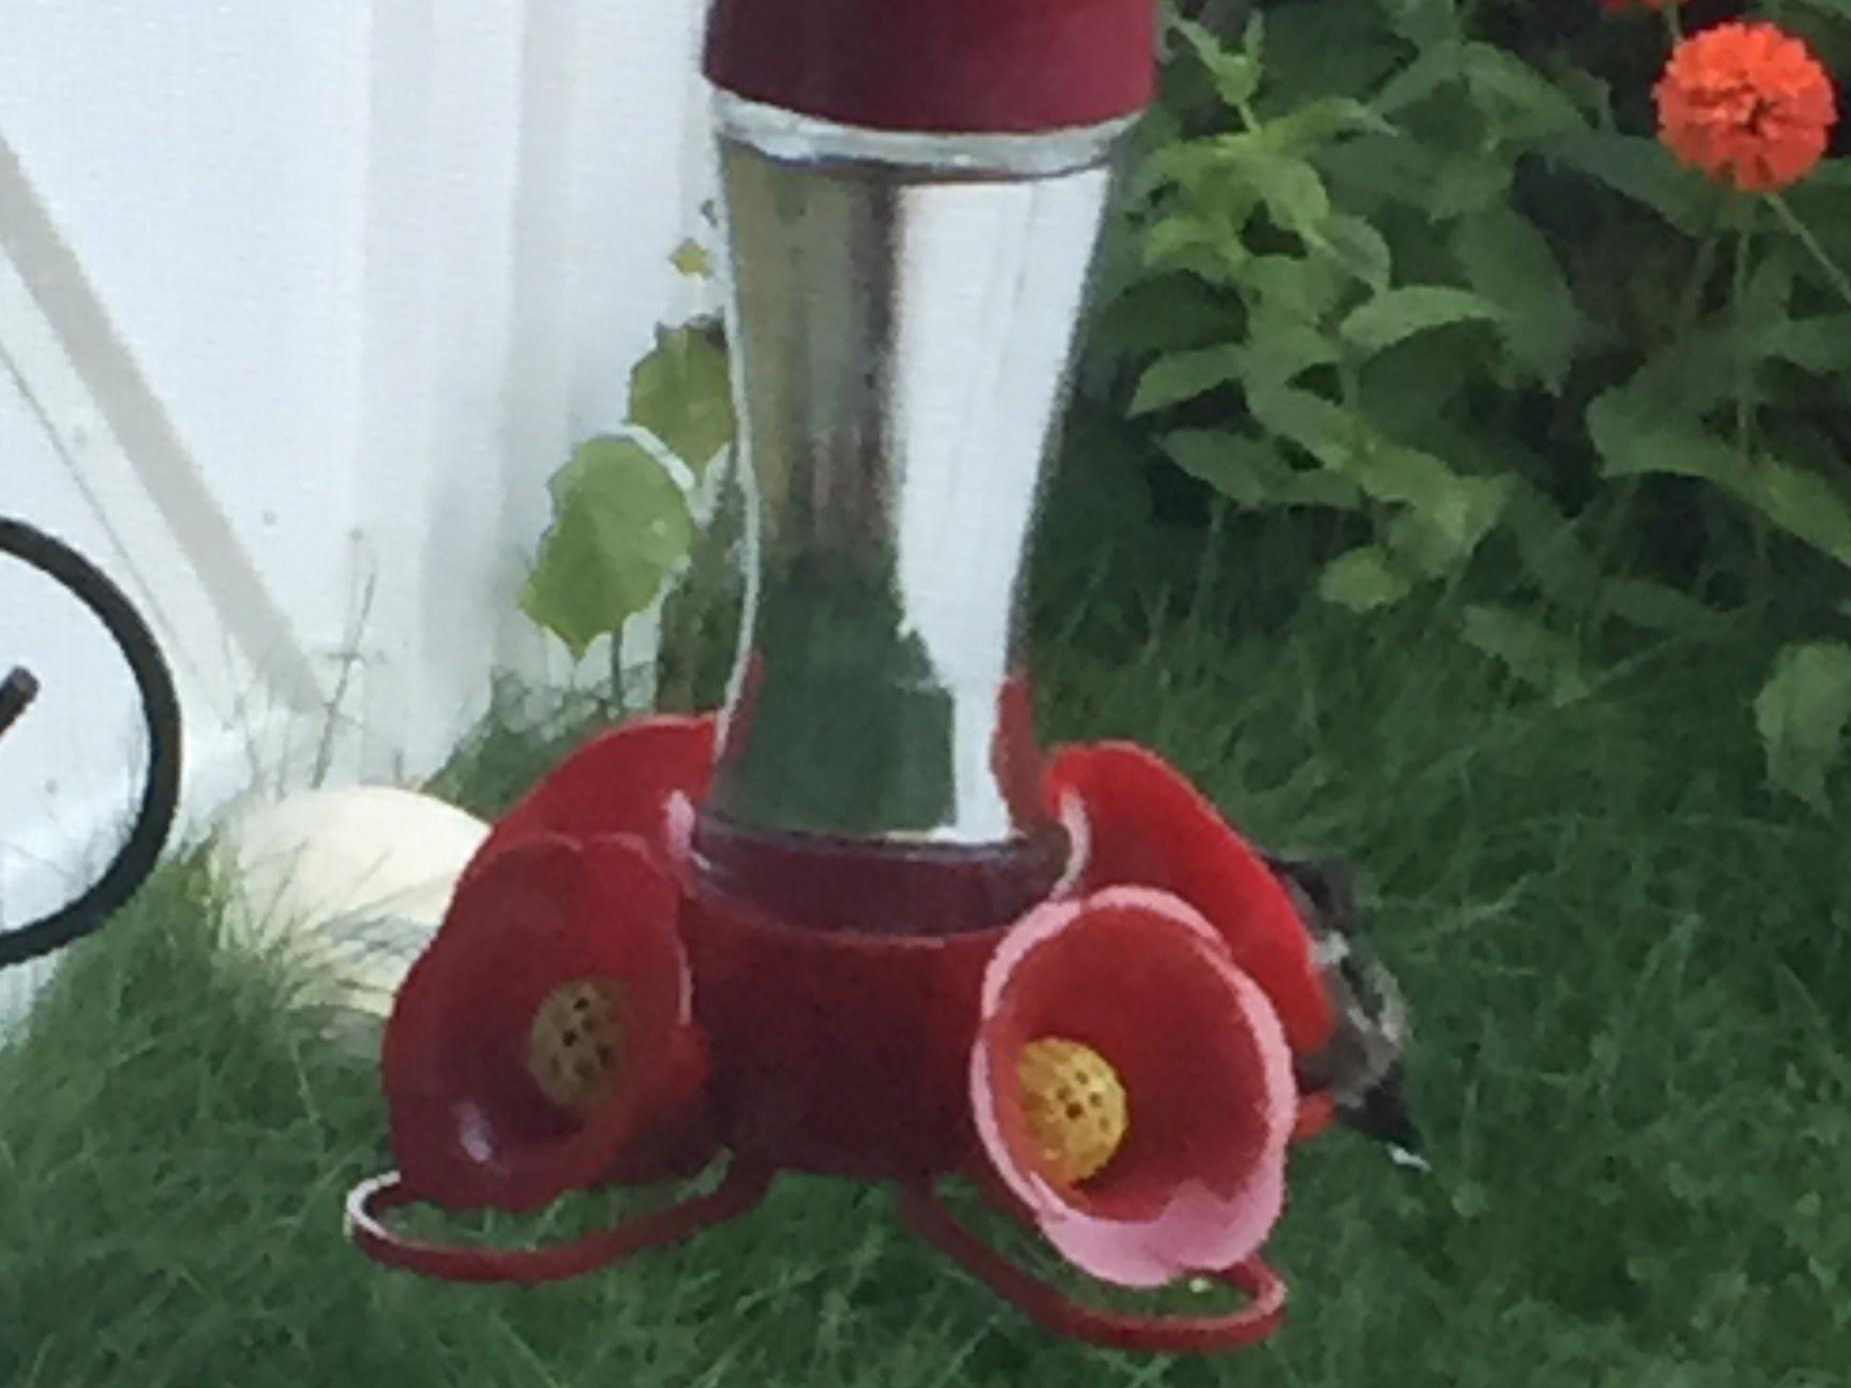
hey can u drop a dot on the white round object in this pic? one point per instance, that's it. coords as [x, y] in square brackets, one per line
[350, 882]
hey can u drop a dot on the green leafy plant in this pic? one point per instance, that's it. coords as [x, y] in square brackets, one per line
[1421, 267]
[620, 525]
[640, 517]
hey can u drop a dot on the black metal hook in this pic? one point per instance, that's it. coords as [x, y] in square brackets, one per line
[17, 691]
[160, 799]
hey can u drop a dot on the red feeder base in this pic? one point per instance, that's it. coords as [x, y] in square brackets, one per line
[787, 1043]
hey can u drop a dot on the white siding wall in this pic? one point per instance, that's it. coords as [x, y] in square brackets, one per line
[379, 263]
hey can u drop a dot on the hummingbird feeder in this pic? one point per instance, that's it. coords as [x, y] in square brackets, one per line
[857, 922]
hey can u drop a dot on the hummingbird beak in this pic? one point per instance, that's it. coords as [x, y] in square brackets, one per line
[1383, 1114]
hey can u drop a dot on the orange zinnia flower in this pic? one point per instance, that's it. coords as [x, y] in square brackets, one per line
[1747, 103]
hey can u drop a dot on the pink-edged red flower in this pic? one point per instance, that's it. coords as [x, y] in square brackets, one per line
[1132, 1087]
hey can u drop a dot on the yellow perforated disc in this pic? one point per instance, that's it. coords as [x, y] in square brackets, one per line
[574, 1047]
[1075, 1106]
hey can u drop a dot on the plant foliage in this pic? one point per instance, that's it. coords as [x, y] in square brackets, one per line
[1425, 267]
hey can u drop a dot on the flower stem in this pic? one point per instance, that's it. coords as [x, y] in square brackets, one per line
[1692, 298]
[1674, 19]
[1738, 292]
[1744, 406]
[1803, 233]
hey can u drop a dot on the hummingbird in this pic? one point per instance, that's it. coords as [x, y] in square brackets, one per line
[1364, 1063]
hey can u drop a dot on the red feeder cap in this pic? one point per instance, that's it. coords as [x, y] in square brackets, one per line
[938, 66]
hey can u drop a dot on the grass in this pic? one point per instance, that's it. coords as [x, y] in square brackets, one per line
[1633, 1071]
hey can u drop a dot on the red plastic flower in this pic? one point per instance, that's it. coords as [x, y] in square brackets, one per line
[1137, 821]
[1132, 1087]
[623, 781]
[1747, 103]
[546, 1029]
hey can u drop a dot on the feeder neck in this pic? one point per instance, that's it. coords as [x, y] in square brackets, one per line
[946, 66]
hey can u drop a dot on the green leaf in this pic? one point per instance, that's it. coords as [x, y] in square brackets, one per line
[1236, 75]
[1327, 431]
[1188, 164]
[1591, 94]
[1290, 289]
[1655, 606]
[1409, 475]
[1183, 241]
[1408, 391]
[1178, 376]
[1415, 537]
[682, 393]
[1802, 503]
[1374, 175]
[1251, 472]
[691, 258]
[1436, 67]
[1540, 657]
[620, 524]
[1288, 352]
[1213, 262]
[1167, 313]
[1820, 344]
[1438, 539]
[1801, 713]
[1691, 375]
[1640, 168]
[1424, 24]
[1508, 261]
[1398, 314]
[1224, 460]
[1636, 435]
[1515, 97]
[1327, 48]
[1358, 247]
[1292, 190]
[1363, 579]
[1460, 509]
[1305, 129]
[1547, 543]
[1762, 308]
[1468, 183]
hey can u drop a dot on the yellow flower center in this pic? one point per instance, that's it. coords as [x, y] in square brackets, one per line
[1075, 1106]
[574, 1045]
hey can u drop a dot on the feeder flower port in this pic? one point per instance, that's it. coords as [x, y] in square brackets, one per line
[547, 1030]
[1068, 1050]
[857, 923]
